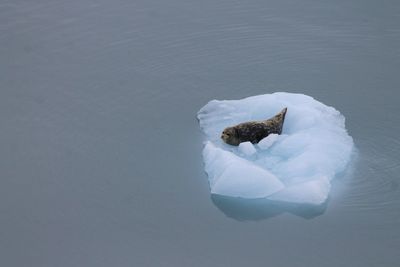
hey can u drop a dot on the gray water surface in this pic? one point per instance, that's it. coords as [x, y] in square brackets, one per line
[100, 149]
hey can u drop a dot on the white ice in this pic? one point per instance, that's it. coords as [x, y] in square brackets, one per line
[268, 141]
[247, 148]
[295, 167]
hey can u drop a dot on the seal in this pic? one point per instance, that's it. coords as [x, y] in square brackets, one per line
[254, 131]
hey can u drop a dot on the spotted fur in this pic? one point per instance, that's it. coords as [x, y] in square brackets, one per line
[254, 131]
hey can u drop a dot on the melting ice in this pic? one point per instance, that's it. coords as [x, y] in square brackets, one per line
[296, 166]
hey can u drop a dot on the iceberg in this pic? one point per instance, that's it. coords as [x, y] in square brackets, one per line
[296, 166]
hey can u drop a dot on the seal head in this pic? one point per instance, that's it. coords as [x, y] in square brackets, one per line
[254, 131]
[230, 136]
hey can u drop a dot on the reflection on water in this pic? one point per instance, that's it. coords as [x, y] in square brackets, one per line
[258, 209]
[98, 133]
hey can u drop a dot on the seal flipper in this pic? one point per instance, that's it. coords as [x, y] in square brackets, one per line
[277, 121]
[282, 113]
[279, 117]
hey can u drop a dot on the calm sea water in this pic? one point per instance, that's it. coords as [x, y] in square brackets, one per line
[100, 159]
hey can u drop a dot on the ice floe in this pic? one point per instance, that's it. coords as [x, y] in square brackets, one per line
[295, 167]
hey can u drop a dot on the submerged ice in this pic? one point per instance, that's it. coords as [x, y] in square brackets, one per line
[296, 166]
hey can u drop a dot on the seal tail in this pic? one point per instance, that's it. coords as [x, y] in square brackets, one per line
[281, 119]
[283, 112]
[280, 116]
[277, 121]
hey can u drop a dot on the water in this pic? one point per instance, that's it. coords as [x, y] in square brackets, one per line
[101, 152]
